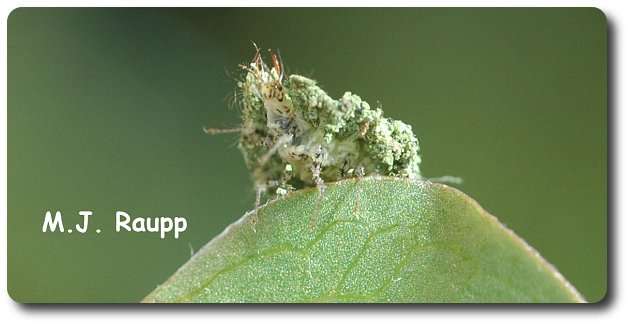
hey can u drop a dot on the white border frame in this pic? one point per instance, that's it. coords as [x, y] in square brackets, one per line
[610, 312]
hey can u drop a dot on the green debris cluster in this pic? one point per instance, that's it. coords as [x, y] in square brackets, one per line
[343, 138]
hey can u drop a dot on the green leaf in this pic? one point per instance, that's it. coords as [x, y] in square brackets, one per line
[368, 240]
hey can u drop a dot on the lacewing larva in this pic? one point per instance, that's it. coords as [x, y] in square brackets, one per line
[294, 136]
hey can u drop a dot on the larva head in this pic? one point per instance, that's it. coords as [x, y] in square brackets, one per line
[268, 81]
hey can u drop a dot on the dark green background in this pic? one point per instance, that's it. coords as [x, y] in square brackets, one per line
[106, 108]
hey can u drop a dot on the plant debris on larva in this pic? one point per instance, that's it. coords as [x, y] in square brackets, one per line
[294, 135]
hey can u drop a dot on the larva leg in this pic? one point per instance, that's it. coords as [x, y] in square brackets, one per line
[316, 169]
[283, 183]
[286, 139]
[260, 189]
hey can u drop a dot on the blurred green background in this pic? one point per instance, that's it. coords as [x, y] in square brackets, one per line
[106, 108]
